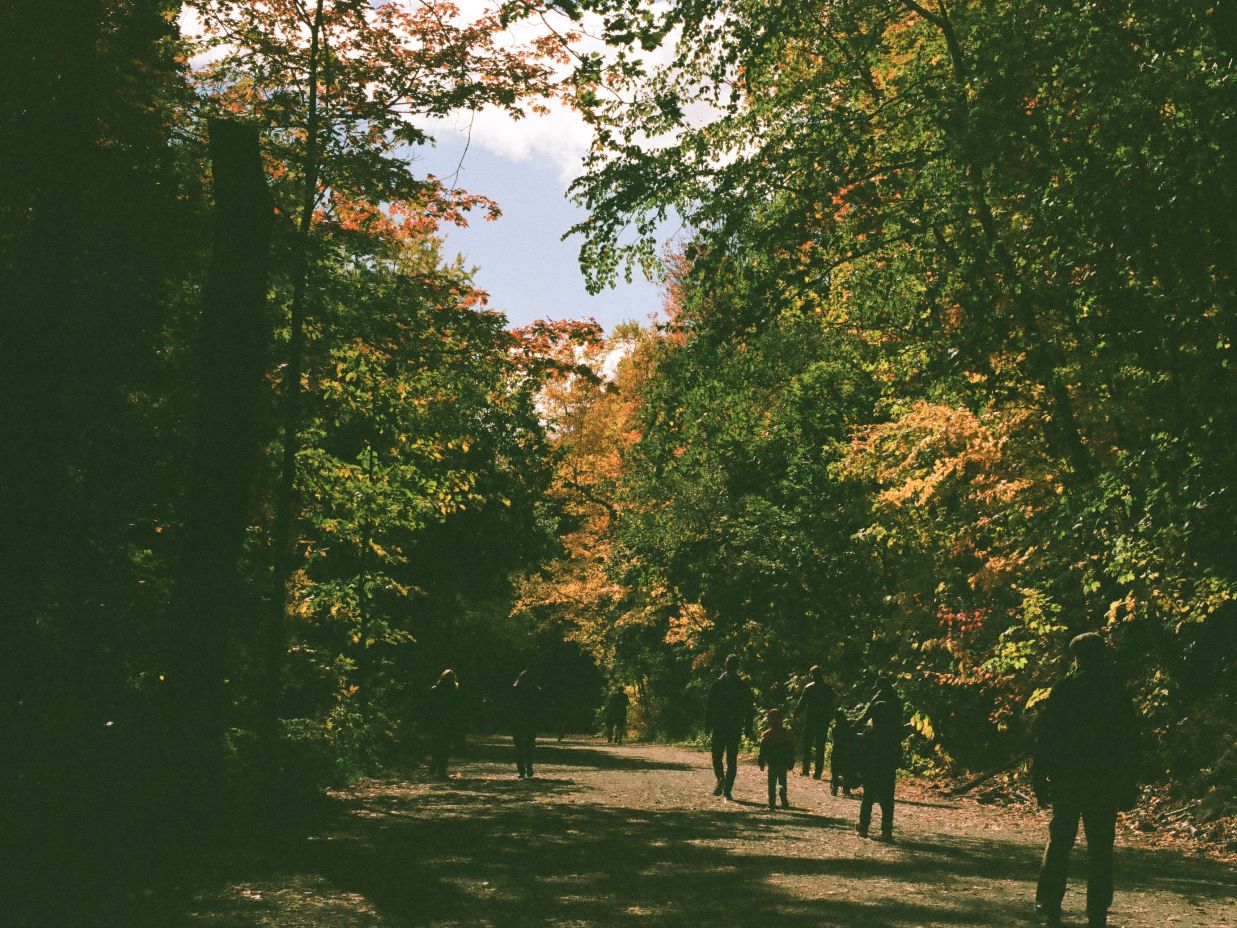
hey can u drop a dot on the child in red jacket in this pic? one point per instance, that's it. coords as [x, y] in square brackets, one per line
[777, 752]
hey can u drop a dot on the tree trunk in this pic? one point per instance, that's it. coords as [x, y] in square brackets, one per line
[232, 357]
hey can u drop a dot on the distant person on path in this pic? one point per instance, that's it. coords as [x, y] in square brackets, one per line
[777, 753]
[444, 721]
[1086, 763]
[880, 755]
[727, 715]
[843, 758]
[815, 711]
[525, 713]
[616, 716]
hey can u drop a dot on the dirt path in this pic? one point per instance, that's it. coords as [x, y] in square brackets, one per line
[611, 836]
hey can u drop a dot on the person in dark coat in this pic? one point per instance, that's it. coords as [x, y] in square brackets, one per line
[1085, 766]
[444, 721]
[525, 716]
[727, 715]
[885, 693]
[616, 716]
[843, 758]
[815, 711]
[777, 753]
[880, 755]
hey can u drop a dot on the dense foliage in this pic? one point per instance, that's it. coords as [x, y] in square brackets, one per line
[948, 373]
[167, 646]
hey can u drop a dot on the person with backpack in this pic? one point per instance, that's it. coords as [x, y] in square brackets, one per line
[843, 757]
[777, 753]
[1085, 766]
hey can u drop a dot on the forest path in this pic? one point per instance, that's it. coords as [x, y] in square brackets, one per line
[617, 836]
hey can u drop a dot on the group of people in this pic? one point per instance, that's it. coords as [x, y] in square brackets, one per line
[1085, 759]
[866, 751]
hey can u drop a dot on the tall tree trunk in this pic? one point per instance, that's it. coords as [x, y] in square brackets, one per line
[284, 532]
[232, 355]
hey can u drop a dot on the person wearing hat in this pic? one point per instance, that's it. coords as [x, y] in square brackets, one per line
[815, 710]
[1085, 766]
[777, 753]
[727, 714]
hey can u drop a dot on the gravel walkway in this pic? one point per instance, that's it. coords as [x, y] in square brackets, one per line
[618, 836]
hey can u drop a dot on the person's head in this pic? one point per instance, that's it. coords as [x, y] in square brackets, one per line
[523, 678]
[1089, 651]
[732, 663]
[814, 673]
[774, 717]
[884, 685]
[447, 678]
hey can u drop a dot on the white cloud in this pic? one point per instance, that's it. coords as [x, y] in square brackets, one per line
[559, 138]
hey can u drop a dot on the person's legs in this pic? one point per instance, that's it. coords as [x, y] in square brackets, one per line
[865, 813]
[772, 775]
[717, 745]
[820, 754]
[1100, 826]
[782, 776]
[530, 746]
[807, 749]
[1062, 832]
[887, 814]
[835, 771]
[518, 740]
[732, 761]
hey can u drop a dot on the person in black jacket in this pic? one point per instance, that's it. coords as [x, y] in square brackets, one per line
[843, 759]
[616, 716]
[525, 716]
[727, 715]
[1085, 765]
[880, 755]
[815, 711]
[444, 721]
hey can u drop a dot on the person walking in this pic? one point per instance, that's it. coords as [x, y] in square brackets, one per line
[727, 715]
[842, 757]
[444, 721]
[777, 753]
[525, 716]
[880, 755]
[1085, 766]
[885, 693]
[815, 711]
[616, 716]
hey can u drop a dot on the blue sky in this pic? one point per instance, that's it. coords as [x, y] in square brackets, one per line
[521, 259]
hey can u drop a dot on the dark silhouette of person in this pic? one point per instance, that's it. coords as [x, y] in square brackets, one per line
[885, 693]
[880, 755]
[525, 715]
[616, 716]
[727, 715]
[444, 721]
[777, 753]
[815, 712]
[1086, 762]
[843, 759]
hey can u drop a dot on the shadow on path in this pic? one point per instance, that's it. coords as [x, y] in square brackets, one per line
[505, 853]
